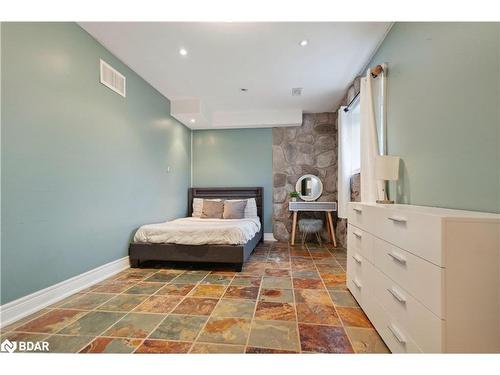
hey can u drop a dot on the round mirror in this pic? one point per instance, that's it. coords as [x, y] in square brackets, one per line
[309, 187]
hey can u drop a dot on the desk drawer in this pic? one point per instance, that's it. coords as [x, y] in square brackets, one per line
[360, 241]
[406, 313]
[422, 279]
[415, 232]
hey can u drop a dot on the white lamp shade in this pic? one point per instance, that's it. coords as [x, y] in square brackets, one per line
[387, 167]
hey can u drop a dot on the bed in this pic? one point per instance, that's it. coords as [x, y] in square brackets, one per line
[194, 240]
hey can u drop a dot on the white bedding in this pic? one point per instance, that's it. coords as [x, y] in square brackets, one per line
[197, 231]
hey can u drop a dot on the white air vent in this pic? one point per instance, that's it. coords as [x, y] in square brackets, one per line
[297, 91]
[111, 78]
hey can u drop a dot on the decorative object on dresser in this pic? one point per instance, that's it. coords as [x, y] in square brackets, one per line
[427, 278]
[386, 169]
[327, 207]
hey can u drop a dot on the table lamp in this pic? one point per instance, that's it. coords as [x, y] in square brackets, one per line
[386, 169]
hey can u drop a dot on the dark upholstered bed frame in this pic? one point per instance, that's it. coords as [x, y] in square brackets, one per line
[234, 255]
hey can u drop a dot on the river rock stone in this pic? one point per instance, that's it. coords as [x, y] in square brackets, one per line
[279, 161]
[278, 135]
[330, 183]
[325, 159]
[279, 194]
[279, 179]
[280, 231]
[306, 138]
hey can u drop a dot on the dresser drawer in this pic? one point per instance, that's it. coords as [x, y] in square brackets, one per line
[360, 241]
[357, 275]
[396, 338]
[415, 232]
[407, 314]
[422, 279]
[361, 216]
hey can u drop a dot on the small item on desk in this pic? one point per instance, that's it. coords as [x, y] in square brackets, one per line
[293, 196]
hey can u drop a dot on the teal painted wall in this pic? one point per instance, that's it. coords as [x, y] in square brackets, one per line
[82, 167]
[235, 157]
[443, 112]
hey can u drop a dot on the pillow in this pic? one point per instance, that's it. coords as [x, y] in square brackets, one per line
[234, 209]
[212, 209]
[198, 206]
[251, 207]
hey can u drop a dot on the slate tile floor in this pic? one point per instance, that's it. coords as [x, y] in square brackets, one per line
[286, 300]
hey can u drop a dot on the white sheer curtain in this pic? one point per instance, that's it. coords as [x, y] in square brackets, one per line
[344, 163]
[371, 188]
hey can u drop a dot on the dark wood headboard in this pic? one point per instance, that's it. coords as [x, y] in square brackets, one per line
[229, 193]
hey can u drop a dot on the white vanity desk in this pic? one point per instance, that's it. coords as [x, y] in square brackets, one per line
[309, 188]
[327, 207]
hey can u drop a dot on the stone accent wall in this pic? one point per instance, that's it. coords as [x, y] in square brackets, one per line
[308, 149]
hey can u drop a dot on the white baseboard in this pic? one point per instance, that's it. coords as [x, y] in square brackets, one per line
[24, 306]
[269, 237]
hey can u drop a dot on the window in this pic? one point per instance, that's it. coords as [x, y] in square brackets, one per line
[349, 159]
[354, 120]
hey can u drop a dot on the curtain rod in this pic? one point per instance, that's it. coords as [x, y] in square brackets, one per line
[346, 109]
[375, 71]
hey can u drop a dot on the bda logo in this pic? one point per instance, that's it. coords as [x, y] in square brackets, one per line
[8, 346]
[24, 346]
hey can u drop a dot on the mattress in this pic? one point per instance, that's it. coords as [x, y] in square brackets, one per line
[197, 231]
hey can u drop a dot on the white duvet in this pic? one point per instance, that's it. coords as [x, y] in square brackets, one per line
[197, 231]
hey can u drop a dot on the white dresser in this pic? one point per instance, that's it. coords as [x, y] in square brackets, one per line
[428, 278]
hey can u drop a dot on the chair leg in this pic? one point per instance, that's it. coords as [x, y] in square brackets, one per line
[318, 236]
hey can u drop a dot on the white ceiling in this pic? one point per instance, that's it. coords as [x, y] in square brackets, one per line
[264, 58]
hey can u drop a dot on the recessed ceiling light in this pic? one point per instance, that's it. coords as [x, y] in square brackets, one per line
[304, 43]
[192, 121]
[183, 52]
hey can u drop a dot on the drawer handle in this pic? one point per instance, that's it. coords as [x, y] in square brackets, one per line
[357, 210]
[397, 219]
[357, 258]
[397, 334]
[357, 234]
[397, 257]
[396, 294]
[356, 282]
